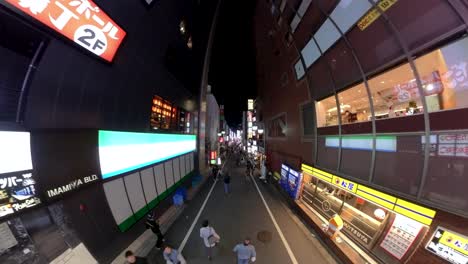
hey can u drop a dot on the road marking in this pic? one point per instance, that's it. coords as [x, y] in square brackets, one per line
[286, 245]
[189, 232]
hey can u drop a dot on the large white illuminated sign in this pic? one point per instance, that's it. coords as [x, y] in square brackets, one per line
[383, 143]
[120, 152]
[15, 151]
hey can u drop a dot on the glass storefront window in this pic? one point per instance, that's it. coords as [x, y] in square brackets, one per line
[328, 199]
[354, 105]
[363, 219]
[327, 112]
[395, 93]
[444, 75]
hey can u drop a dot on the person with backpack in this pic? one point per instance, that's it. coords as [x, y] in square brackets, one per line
[210, 238]
[227, 182]
[153, 224]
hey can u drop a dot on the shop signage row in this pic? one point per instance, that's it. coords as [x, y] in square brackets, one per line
[448, 145]
[81, 21]
[400, 206]
[449, 245]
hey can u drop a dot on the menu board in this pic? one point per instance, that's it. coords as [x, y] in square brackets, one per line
[17, 183]
[401, 236]
[449, 246]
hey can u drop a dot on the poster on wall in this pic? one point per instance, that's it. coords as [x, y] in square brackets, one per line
[17, 181]
[401, 236]
[81, 21]
[449, 245]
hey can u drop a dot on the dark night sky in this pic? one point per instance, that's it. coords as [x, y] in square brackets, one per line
[232, 69]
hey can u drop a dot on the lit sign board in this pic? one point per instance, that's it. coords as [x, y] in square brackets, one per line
[250, 104]
[416, 212]
[17, 183]
[383, 143]
[449, 245]
[345, 184]
[120, 152]
[79, 20]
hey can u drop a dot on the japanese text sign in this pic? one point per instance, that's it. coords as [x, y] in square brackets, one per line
[79, 20]
[345, 184]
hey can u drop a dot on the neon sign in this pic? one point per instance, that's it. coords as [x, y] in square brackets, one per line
[79, 20]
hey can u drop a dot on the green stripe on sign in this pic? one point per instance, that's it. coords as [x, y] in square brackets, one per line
[129, 222]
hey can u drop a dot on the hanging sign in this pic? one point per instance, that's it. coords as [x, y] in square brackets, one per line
[79, 20]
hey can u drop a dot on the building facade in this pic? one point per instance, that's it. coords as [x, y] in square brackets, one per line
[373, 92]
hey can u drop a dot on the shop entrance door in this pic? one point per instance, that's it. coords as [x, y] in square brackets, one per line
[46, 235]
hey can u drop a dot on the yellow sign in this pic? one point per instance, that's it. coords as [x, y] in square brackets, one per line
[377, 197]
[455, 241]
[416, 212]
[345, 184]
[373, 14]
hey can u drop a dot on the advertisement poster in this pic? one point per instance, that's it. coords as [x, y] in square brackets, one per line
[449, 245]
[81, 21]
[401, 236]
[17, 183]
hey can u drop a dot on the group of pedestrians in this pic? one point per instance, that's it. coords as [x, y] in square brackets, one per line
[245, 251]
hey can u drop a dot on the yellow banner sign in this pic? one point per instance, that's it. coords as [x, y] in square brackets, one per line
[455, 241]
[373, 14]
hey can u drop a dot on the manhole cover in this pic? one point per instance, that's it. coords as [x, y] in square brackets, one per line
[264, 236]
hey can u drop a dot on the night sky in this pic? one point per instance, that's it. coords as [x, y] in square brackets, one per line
[233, 47]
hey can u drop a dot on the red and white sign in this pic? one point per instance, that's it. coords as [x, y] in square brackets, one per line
[432, 84]
[79, 20]
[453, 138]
[458, 150]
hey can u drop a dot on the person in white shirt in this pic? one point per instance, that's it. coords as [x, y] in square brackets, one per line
[210, 238]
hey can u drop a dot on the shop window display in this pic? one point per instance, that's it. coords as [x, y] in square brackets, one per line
[327, 112]
[395, 93]
[363, 219]
[328, 199]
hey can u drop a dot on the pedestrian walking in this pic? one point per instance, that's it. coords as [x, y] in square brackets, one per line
[210, 238]
[172, 256]
[132, 259]
[153, 224]
[245, 252]
[227, 182]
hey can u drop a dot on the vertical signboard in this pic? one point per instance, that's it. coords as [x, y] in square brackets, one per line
[81, 21]
[18, 189]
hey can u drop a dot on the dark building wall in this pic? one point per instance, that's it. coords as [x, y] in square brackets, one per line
[71, 88]
[279, 90]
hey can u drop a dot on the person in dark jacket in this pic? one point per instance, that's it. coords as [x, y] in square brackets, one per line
[227, 182]
[132, 259]
[153, 224]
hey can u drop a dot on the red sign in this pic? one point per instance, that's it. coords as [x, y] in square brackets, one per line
[213, 155]
[432, 84]
[79, 20]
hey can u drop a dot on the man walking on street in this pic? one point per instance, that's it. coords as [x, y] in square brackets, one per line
[210, 238]
[227, 182]
[154, 226]
[172, 256]
[245, 252]
[132, 259]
